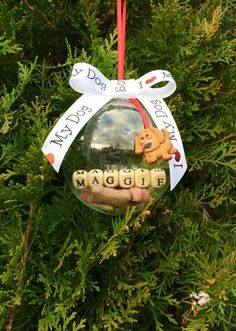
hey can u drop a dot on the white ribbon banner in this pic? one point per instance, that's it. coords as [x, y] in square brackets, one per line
[97, 91]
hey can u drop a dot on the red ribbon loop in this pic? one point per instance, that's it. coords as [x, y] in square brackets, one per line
[121, 29]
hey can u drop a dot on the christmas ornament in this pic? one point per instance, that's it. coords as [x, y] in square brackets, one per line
[117, 141]
[101, 167]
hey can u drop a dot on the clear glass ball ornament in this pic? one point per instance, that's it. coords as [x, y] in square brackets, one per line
[102, 168]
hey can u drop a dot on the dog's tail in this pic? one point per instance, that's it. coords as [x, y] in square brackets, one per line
[177, 156]
[173, 150]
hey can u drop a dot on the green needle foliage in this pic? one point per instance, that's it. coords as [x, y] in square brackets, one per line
[65, 267]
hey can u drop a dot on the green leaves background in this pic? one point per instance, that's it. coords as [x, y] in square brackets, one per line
[65, 267]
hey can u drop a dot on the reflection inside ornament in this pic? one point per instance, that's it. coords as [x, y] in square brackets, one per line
[111, 132]
[109, 137]
[106, 144]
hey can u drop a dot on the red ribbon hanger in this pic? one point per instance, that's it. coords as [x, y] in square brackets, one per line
[121, 31]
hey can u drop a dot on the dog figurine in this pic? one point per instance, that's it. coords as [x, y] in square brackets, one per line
[155, 145]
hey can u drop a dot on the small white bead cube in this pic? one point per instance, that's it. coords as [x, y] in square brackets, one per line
[111, 178]
[158, 177]
[142, 177]
[80, 179]
[95, 177]
[126, 178]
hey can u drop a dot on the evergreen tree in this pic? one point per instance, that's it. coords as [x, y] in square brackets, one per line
[66, 267]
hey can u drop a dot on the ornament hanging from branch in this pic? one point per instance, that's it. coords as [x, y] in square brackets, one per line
[116, 142]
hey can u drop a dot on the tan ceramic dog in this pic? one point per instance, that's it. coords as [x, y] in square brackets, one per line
[155, 145]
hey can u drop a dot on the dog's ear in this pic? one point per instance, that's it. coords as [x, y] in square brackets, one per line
[160, 136]
[138, 148]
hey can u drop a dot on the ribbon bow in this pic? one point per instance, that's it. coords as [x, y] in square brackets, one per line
[97, 90]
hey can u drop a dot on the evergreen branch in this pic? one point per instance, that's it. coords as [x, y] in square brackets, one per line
[229, 31]
[231, 135]
[9, 327]
[28, 226]
[37, 11]
[59, 66]
[219, 213]
[53, 26]
[8, 99]
[22, 266]
[58, 10]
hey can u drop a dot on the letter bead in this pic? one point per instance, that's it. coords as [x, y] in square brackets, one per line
[142, 177]
[111, 178]
[158, 177]
[126, 178]
[95, 177]
[80, 179]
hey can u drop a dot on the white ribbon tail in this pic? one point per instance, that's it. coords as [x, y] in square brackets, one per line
[69, 125]
[163, 118]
